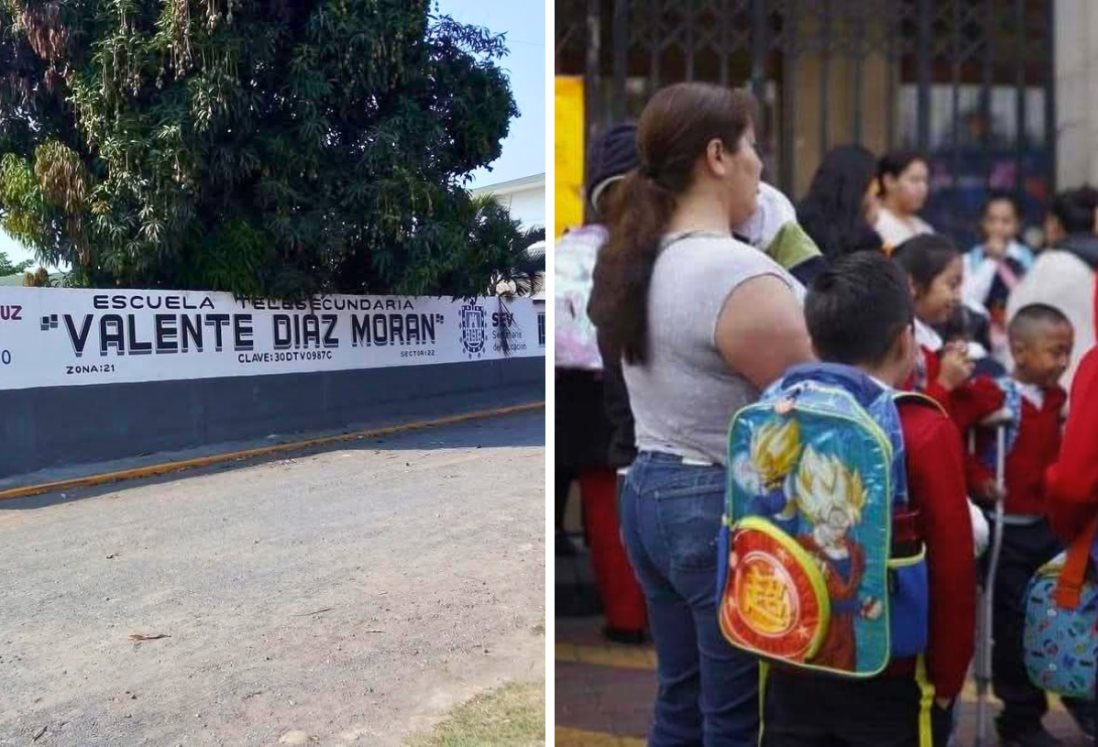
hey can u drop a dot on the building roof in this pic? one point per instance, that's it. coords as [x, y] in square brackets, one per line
[514, 185]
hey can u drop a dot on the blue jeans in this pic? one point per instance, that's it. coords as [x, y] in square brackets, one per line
[708, 691]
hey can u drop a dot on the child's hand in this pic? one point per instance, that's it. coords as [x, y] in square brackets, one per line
[988, 493]
[956, 366]
[995, 247]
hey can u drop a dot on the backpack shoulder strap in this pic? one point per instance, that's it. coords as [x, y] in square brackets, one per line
[917, 398]
[1070, 584]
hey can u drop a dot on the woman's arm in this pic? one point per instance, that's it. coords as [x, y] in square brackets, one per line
[761, 330]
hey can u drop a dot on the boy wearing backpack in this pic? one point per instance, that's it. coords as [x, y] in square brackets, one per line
[860, 313]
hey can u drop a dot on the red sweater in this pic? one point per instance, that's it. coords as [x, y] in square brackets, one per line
[1035, 447]
[926, 379]
[958, 407]
[935, 474]
[1071, 485]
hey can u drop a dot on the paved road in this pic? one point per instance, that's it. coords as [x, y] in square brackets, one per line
[352, 595]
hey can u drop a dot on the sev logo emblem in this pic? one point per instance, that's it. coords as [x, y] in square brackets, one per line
[474, 330]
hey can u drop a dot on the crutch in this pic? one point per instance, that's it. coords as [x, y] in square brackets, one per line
[982, 661]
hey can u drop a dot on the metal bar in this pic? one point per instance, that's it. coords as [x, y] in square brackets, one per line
[759, 43]
[722, 53]
[988, 27]
[655, 24]
[1050, 94]
[1020, 113]
[956, 43]
[923, 42]
[591, 71]
[892, 33]
[621, 57]
[825, 77]
[789, 77]
[688, 46]
[859, 55]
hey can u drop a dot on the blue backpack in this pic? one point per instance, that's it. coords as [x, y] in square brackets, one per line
[807, 575]
[1060, 639]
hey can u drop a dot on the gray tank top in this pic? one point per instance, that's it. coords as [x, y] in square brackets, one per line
[685, 395]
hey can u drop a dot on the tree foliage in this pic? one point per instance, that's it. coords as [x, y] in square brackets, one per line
[7, 267]
[40, 278]
[278, 147]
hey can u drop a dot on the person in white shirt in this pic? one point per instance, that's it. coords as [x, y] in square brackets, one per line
[1064, 274]
[904, 178]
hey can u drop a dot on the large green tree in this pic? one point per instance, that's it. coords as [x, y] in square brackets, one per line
[278, 147]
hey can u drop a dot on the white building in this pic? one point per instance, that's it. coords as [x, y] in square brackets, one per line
[524, 198]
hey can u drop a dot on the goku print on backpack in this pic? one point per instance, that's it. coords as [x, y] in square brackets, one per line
[809, 575]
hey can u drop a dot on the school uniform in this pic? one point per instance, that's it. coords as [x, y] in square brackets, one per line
[1033, 443]
[891, 710]
[960, 409]
[988, 283]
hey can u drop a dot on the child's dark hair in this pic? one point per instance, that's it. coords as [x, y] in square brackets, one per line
[1074, 208]
[967, 325]
[857, 308]
[925, 257]
[1007, 197]
[1029, 319]
[894, 163]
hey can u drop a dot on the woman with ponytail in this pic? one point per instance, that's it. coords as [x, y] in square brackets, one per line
[701, 322]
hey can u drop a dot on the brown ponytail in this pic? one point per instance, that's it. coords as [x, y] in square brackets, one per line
[674, 131]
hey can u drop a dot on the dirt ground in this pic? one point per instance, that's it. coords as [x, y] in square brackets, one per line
[346, 597]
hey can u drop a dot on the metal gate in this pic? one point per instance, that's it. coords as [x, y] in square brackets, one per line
[969, 83]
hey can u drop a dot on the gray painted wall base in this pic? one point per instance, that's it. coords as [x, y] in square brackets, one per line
[56, 426]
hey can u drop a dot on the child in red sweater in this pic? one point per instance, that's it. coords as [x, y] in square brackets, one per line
[935, 269]
[1040, 340]
[943, 369]
[860, 313]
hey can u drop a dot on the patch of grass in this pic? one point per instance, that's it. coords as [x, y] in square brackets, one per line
[510, 716]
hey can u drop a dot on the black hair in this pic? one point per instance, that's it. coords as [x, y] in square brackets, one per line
[831, 212]
[1074, 208]
[966, 324]
[925, 257]
[857, 308]
[1007, 197]
[1030, 318]
[895, 162]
